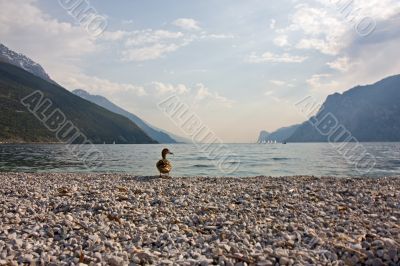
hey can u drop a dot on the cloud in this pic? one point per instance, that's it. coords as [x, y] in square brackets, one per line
[33, 25]
[113, 35]
[369, 60]
[150, 44]
[148, 53]
[163, 88]
[275, 58]
[323, 32]
[342, 64]
[281, 41]
[336, 28]
[358, 9]
[127, 21]
[53, 44]
[324, 46]
[147, 44]
[203, 93]
[272, 95]
[331, 26]
[323, 83]
[149, 36]
[278, 82]
[103, 86]
[67, 44]
[272, 24]
[200, 93]
[216, 36]
[314, 21]
[187, 24]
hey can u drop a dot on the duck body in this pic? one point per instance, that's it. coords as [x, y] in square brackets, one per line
[164, 166]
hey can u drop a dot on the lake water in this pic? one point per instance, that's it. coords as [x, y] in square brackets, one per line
[319, 159]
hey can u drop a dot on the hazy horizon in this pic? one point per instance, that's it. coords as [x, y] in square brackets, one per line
[240, 66]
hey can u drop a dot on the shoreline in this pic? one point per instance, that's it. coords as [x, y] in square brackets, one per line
[117, 219]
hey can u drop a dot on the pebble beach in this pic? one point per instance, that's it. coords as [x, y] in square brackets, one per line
[120, 219]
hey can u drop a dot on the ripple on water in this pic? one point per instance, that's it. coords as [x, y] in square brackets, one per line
[279, 159]
[201, 165]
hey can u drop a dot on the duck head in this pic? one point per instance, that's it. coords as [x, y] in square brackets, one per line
[165, 152]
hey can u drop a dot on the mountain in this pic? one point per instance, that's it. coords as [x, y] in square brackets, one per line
[20, 60]
[154, 133]
[177, 138]
[18, 124]
[280, 135]
[369, 113]
[263, 136]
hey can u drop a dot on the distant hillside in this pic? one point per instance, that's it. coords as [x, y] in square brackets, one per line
[370, 113]
[157, 135]
[280, 135]
[22, 61]
[263, 136]
[177, 138]
[17, 124]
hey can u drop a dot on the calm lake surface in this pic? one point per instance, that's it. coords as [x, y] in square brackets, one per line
[319, 159]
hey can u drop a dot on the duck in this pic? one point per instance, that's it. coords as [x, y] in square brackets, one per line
[164, 166]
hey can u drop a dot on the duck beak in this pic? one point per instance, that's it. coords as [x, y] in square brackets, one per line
[171, 153]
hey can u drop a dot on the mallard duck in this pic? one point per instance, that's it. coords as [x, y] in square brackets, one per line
[164, 166]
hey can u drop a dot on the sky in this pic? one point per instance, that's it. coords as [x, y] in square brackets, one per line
[241, 66]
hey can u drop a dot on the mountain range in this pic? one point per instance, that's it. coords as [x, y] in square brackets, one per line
[154, 133]
[280, 135]
[20, 75]
[369, 113]
[18, 124]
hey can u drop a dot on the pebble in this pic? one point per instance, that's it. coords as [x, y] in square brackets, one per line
[18, 242]
[119, 219]
[114, 260]
[284, 261]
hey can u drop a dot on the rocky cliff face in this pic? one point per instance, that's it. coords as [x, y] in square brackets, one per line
[368, 113]
[279, 135]
[22, 61]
